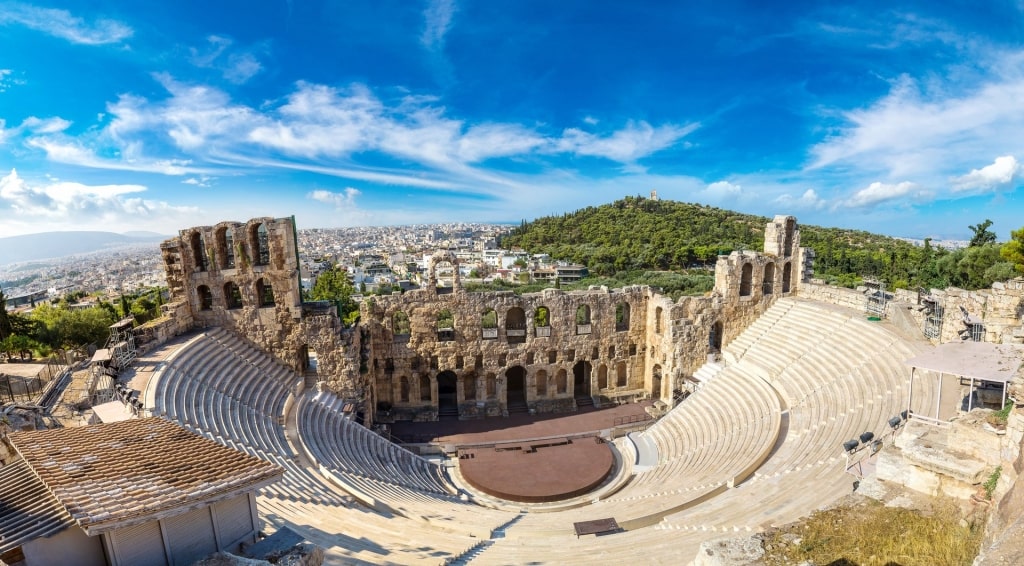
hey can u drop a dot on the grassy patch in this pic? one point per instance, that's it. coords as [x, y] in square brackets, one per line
[870, 534]
[998, 419]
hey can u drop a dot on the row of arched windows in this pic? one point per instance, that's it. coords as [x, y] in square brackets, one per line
[225, 248]
[515, 320]
[233, 295]
[558, 383]
[767, 279]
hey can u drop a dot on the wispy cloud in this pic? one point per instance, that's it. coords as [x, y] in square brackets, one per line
[7, 80]
[344, 199]
[236, 66]
[62, 24]
[911, 132]
[437, 21]
[635, 141]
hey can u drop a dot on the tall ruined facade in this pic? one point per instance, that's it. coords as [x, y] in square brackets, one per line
[245, 277]
[441, 350]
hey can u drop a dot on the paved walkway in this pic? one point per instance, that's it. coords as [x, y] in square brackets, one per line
[517, 426]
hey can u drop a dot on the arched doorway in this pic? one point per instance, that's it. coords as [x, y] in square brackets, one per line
[581, 383]
[447, 395]
[515, 389]
[715, 337]
[656, 381]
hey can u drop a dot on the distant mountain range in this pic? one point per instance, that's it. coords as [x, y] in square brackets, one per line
[46, 245]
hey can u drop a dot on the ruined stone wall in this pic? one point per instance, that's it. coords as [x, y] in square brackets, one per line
[244, 277]
[175, 319]
[1001, 307]
[597, 354]
[841, 296]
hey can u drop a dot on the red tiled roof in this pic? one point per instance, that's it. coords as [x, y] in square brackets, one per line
[118, 474]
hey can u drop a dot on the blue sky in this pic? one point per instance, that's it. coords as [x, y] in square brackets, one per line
[903, 119]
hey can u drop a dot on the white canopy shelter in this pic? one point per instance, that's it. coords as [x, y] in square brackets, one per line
[977, 361]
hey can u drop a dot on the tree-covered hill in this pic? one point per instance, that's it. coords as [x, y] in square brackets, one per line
[636, 234]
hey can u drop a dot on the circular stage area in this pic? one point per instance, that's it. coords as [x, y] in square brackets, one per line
[538, 471]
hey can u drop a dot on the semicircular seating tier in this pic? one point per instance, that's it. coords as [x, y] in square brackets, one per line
[759, 444]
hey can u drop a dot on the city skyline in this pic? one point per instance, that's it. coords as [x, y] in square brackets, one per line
[899, 120]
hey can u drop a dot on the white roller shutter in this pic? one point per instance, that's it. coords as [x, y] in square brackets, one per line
[140, 545]
[190, 536]
[234, 521]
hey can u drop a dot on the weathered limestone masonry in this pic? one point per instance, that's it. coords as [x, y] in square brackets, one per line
[441, 350]
[245, 277]
[1000, 307]
[445, 351]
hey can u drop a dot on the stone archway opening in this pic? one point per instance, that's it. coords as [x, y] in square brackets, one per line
[515, 389]
[581, 383]
[447, 395]
[656, 381]
[715, 337]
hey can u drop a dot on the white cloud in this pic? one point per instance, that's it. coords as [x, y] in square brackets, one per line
[346, 212]
[1003, 171]
[343, 200]
[590, 120]
[200, 181]
[60, 23]
[61, 203]
[721, 191]
[437, 21]
[878, 192]
[809, 200]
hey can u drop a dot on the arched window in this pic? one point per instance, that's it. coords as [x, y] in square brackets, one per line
[787, 276]
[492, 386]
[198, 250]
[401, 324]
[611, 352]
[768, 281]
[403, 391]
[657, 320]
[232, 295]
[542, 322]
[746, 275]
[260, 244]
[205, 298]
[787, 244]
[561, 381]
[515, 325]
[583, 319]
[424, 387]
[265, 292]
[541, 379]
[445, 326]
[226, 248]
[621, 317]
[469, 386]
[620, 374]
[602, 376]
[489, 324]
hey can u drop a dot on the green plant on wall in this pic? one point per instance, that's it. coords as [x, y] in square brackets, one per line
[243, 258]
